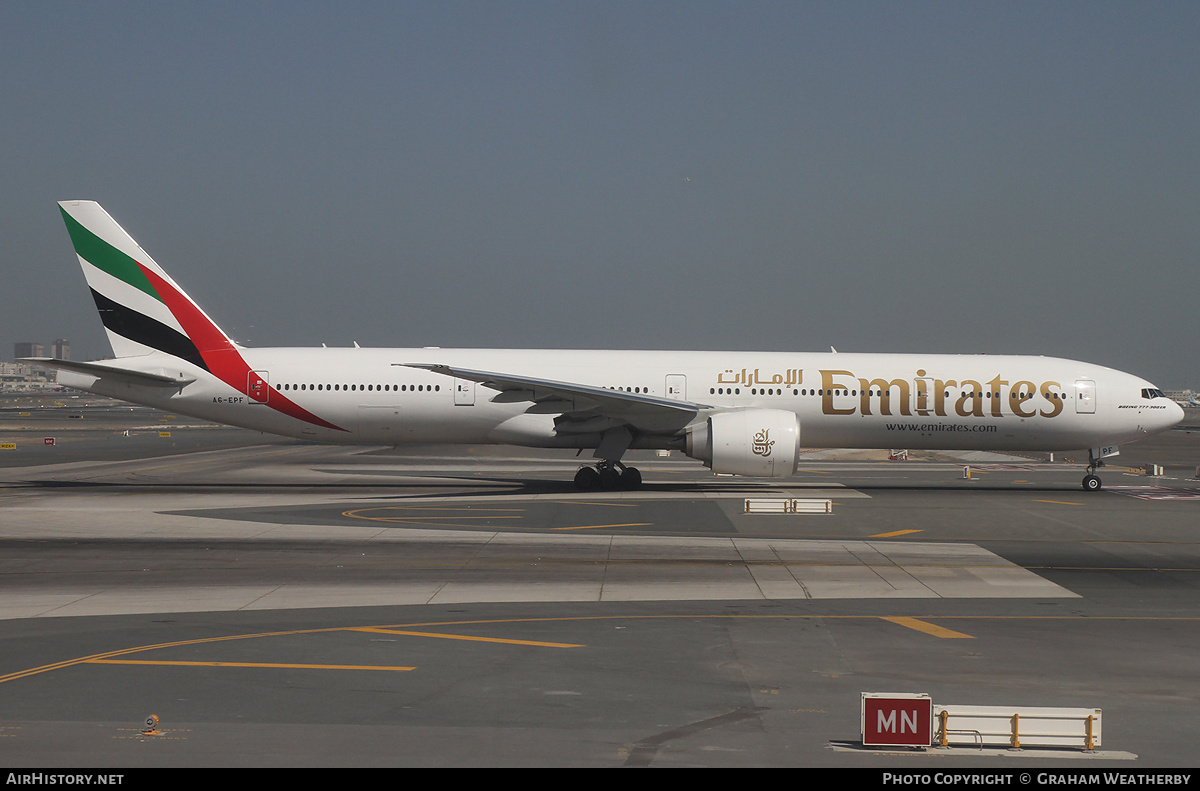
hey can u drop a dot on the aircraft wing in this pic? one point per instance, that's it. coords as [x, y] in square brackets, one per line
[648, 413]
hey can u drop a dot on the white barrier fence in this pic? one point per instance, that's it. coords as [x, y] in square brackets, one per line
[906, 719]
[766, 505]
[1017, 727]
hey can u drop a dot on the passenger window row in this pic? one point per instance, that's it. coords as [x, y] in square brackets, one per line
[365, 388]
[887, 394]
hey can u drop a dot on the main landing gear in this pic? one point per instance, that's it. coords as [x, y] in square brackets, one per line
[608, 475]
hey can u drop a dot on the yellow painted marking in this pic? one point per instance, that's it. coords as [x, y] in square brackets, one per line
[138, 649]
[894, 534]
[434, 516]
[581, 502]
[433, 520]
[480, 513]
[241, 664]
[596, 527]
[538, 643]
[438, 508]
[927, 628]
[405, 628]
[1057, 502]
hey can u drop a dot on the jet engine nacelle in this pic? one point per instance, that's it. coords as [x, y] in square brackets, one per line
[759, 443]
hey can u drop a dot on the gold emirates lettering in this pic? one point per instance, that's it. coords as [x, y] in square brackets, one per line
[888, 397]
[923, 395]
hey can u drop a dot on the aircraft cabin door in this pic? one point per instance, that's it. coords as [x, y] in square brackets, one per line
[1085, 397]
[464, 392]
[257, 387]
[676, 387]
[925, 395]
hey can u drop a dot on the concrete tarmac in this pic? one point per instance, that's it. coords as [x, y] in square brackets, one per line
[282, 604]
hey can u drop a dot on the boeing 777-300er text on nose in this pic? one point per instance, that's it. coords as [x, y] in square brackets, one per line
[740, 413]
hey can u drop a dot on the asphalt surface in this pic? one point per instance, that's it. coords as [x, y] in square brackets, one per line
[280, 604]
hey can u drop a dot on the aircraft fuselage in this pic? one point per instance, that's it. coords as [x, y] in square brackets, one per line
[845, 400]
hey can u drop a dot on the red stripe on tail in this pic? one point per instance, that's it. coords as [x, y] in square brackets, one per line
[219, 353]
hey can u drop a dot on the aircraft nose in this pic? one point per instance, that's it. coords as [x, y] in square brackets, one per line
[1175, 415]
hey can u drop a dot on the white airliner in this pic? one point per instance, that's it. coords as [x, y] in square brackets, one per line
[741, 413]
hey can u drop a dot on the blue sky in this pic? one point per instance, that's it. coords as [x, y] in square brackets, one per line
[878, 176]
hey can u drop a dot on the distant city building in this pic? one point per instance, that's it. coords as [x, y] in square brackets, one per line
[28, 349]
[61, 349]
[23, 377]
[13, 372]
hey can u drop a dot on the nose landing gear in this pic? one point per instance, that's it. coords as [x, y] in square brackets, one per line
[1091, 481]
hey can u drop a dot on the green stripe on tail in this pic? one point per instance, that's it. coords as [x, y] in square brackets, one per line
[104, 256]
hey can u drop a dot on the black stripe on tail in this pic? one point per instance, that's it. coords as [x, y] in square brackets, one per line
[142, 329]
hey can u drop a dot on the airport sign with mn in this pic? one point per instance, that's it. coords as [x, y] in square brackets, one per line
[897, 719]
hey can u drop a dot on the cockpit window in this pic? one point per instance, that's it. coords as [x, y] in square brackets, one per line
[1152, 392]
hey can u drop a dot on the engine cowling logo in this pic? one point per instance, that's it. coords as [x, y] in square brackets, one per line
[762, 443]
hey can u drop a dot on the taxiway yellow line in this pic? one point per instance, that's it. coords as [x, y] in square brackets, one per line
[137, 649]
[596, 527]
[415, 518]
[439, 508]
[1057, 502]
[581, 502]
[907, 622]
[377, 630]
[286, 666]
[927, 628]
[894, 534]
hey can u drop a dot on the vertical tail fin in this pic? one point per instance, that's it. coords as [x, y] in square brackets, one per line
[145, 312]
[142, 308]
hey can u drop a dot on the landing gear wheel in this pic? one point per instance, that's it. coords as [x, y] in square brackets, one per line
[609, 478]
[1091, 483]
[587, 479]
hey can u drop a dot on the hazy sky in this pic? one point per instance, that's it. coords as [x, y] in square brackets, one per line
[997, 177]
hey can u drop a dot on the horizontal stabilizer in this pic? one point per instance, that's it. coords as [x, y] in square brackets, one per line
[112, 372]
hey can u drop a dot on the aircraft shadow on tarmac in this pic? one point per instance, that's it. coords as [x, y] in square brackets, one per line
[460, 486]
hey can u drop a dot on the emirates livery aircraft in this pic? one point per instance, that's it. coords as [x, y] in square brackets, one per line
[740, 413]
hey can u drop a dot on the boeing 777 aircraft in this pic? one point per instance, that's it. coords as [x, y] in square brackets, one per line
[740, 413]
